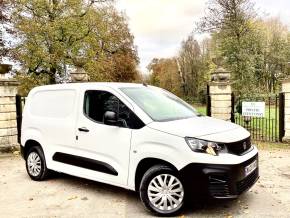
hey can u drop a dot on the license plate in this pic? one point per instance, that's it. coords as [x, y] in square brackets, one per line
[250, 168]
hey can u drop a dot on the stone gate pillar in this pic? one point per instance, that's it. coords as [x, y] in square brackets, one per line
[286, 91]
[8, 125]
[220, 92]
[79, 75]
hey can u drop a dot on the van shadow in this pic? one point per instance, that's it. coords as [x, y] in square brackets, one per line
[211, 208]
[198, 207]
[92, 186]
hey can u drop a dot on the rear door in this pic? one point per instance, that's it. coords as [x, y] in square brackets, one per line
[50, 118]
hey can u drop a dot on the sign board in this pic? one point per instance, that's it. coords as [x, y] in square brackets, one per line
[253, 109]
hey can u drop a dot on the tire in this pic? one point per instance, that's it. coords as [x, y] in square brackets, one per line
[162, 200]
[35, 164]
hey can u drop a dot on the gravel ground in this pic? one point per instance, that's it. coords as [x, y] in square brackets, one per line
[66, 196]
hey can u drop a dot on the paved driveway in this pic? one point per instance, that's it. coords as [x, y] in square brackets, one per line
[66, 196]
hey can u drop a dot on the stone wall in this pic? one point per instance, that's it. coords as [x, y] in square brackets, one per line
[220, 95]
[8, 125]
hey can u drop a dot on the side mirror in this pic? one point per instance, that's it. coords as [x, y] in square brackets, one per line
[110, 118]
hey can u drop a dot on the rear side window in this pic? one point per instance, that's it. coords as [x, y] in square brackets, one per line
[96, 103]
[52, 103]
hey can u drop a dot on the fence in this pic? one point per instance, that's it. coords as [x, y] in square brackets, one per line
[266, 128]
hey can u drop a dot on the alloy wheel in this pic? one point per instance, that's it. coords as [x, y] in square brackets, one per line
[34, 164]
[165, 192]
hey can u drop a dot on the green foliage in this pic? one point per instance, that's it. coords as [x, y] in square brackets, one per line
[275, 52]
[255, 51]
[186, 74]
[58, 35]
[190, 63]
[27, 82]
[232, 25]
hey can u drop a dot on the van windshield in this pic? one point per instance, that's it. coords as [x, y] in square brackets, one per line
[159, 104]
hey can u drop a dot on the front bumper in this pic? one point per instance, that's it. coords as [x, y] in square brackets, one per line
[218, 181]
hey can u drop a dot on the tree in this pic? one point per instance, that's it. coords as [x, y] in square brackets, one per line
[27, 82]
[59, 35]
[5, 27]
[189, 59]
[118, 58]
[275, 53]
[186, 74]
[164, 73]
[232, 24]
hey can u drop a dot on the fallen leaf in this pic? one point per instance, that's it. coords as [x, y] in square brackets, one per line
[72, 198]
[16, 152]
[84, 198]
[30, 199]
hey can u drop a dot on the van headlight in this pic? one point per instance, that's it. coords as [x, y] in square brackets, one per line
[199, 145]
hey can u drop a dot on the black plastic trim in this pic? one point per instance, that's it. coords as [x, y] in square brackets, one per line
[198, 179]
[84, 162]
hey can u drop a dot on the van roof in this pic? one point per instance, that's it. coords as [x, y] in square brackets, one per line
[90, 84]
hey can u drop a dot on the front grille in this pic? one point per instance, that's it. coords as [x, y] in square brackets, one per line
[218, 186]
[239, 147]
[247, 182]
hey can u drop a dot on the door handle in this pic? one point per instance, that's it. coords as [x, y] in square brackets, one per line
[83, 129]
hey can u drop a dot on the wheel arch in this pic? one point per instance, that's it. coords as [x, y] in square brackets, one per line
[29, 144]
[145, 164]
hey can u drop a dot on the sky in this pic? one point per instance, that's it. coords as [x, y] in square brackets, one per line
[159, 26]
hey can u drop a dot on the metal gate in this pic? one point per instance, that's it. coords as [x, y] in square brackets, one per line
[20, 101]
[270, 127]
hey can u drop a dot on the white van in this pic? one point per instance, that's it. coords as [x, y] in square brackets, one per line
[138, 137]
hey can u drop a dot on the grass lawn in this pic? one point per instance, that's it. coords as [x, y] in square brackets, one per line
[262, 128]
[200, 108]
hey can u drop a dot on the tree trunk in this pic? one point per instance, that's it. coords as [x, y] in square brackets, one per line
[181, 77]
[52, 72]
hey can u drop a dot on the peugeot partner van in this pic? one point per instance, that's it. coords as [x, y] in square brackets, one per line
[138, 137]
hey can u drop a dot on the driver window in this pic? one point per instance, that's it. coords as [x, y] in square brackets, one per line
[97, 102]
